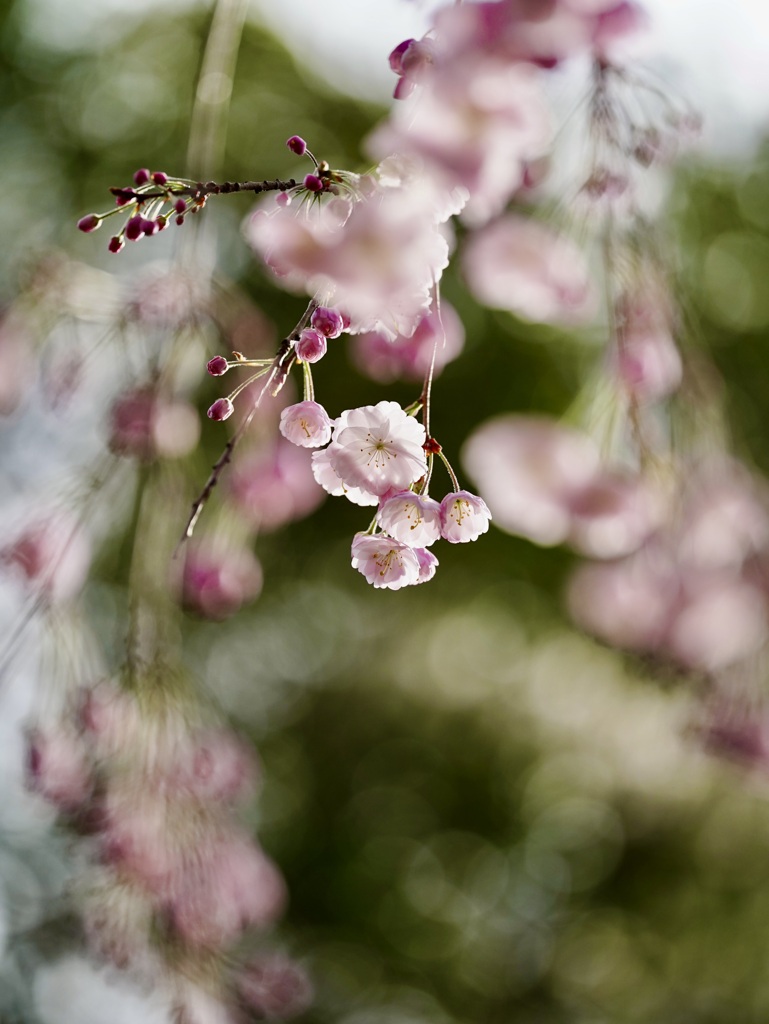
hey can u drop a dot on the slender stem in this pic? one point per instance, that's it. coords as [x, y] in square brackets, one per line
[428, 383]
[309, 387]
[450, 471]
[249, 380]
[277, 376]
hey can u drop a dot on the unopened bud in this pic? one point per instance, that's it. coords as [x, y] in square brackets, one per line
[116, 244]
[222, 409]
[134, 228]
[160, 178]
[180, 206]
[142, 176]
[89, 223]
[217, 366]
[313, 183]
[283, 199]
[297, 145]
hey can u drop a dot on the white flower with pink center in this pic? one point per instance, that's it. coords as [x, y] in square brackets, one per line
[378, 448]
[464, 517]
[411, 519]
[524, 267]
[306, 424]
[386, 563]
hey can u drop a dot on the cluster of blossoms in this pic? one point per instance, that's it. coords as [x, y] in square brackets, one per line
[376, 456]
[174, 879]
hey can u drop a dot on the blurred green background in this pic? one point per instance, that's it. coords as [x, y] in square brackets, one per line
[483, 816]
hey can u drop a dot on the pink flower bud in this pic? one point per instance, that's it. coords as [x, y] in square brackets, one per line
[91, 222]
[180, 206]
[222, 409]
[134, 228]
[297, 145]
[142, 176]
[327, 321]
[313, 183]
[160, 178]
[283, 199]
[116, 244]
[396, 56]
[217, 366]
[311, 345]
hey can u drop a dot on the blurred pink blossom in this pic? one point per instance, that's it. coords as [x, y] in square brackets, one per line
[58, 767]
[378, 264]
[53, 555]
[387, 359]
[146, 426]
[233, 886]
[524, 267]
[217, 581]
[648, 362]
[472, 124]
[274, 987]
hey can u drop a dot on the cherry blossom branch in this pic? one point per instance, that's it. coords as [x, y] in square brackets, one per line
[201, 189]
[277, 374]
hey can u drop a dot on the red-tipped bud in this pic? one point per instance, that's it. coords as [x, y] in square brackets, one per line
[180, 220]
[162, 222]
[116, 244]
[297, 145]
[217, 366]
[180, 206]
[142, 176]
[134, 228]
[160, 177]
[222, 409]
[149, 227]
[313, 183]
[89, 223]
